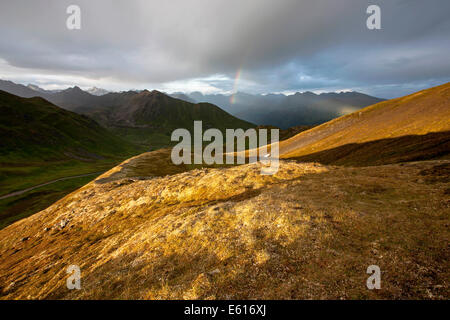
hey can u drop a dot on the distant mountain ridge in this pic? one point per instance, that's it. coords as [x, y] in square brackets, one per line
[143, 117]
[149, 117]
[19, 89]
[286, 111]
[279, 110]
[97, 91]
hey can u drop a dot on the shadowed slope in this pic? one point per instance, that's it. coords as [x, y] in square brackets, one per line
[429, 146]
[33, 128]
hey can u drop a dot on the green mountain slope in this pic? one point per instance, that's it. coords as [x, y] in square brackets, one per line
[159, 110]
[149, 118]
[34, 128]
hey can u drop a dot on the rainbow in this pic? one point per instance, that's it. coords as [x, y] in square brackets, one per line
[235, 85]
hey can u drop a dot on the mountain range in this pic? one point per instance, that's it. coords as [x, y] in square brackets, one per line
[278, 110]
[146, 117]
[142, 117]
[286, 111]
[19, 90]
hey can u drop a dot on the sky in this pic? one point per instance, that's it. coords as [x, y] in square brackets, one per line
[215, 46]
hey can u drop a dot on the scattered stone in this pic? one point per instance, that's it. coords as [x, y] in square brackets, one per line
[11, 286]
[63, 223]
[215, 271]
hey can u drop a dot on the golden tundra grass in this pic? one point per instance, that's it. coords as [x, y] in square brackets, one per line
[309, 231]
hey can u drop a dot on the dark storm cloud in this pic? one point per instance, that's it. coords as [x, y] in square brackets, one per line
[279, 45]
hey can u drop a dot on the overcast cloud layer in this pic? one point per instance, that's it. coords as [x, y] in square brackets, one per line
[189, 45]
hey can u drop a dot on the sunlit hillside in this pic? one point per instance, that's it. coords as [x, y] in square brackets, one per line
[414, 127]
